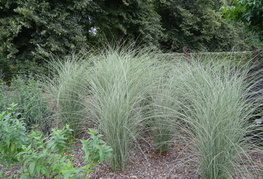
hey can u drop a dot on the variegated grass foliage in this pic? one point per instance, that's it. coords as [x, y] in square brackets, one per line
[216, 104]
[120, 80]
[213, 102]
[68, 86]
[162, 122]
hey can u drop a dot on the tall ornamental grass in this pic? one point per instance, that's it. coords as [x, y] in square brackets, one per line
[162, 122]
[215, 106]
[120, 81]
[68, 87]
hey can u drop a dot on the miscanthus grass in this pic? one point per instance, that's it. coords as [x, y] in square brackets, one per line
[120, 81]
[216, 104]
[68, 87]
[162, 122]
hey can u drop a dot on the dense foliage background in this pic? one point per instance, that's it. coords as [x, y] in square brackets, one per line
[249, 12]
[35, 29]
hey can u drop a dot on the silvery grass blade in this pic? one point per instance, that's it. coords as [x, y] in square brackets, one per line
[215, 108]
[120, 80]
[68, 87]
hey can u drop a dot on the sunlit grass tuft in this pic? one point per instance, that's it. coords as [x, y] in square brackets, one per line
[121, 79]
[68, 86]
[216, 105]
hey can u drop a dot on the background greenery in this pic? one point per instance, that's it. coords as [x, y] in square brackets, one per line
[247, 11]
[35, 29]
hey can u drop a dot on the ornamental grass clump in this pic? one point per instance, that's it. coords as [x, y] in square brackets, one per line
[162, 122]
[120, 81]
[216, 105]
[68, 87]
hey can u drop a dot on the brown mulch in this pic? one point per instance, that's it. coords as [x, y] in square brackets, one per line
[145, 163]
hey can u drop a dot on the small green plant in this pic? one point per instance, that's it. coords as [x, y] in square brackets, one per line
[60, 140]
[12, 135]
[95, 150]
[50, 157]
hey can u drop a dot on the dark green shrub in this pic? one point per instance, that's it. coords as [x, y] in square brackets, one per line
[28, 96]
[236, 58]
[30, 68]
[5, 70]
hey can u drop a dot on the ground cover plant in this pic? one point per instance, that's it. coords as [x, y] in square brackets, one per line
[12, 135]
[48, 156]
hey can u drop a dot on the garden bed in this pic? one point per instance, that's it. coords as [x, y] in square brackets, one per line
[135, 109]
[145, 163]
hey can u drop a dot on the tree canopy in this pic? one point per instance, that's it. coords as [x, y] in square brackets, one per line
[197, 24]
[29, 26]
[33, 29]
[248, 11]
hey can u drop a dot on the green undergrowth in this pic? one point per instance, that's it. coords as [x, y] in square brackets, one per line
[46, 155]
[27, 93]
